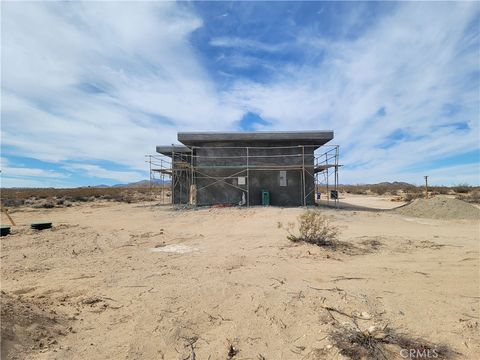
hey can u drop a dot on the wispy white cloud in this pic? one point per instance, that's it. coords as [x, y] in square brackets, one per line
[25, 176]
[26, 182]
[18, 176]
[401, 74]
[96, 171]
[9, 170]
[110, 82]
[31, 172]
[235, 42]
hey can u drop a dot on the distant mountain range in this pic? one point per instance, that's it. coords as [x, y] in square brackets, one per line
[138, 184]
[385, 183]
[395, 183]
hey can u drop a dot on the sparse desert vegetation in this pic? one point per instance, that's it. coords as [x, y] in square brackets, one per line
[473, 196]
[50, 197]
[409, 192]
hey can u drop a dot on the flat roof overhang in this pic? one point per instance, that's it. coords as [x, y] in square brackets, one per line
[261, 137]
[169, 149]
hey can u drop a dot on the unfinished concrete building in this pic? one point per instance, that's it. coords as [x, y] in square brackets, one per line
[247, 168]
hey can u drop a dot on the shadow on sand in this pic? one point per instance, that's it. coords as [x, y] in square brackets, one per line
[350, 207]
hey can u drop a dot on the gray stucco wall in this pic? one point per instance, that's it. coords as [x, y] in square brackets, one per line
[218, 169]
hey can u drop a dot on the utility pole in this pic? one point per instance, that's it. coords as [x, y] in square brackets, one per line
[426, 187]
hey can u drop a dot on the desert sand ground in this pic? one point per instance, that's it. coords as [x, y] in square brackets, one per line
[143, 281]
[367, 201]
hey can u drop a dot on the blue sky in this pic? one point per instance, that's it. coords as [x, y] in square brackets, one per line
[89, 88]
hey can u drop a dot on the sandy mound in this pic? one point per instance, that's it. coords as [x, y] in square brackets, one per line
[26, 328]
[440, 208]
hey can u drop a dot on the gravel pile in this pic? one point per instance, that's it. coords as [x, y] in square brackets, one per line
[440, 208]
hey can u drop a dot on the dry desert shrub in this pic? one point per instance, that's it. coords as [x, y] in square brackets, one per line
[386, 344]
[314, 228]
[442, 190]
[355, 189]
[412, 193]
[462, 188]
[471, 197]
[410, 196]
[317, 229]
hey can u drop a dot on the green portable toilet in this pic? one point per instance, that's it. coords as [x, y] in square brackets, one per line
[265, 197]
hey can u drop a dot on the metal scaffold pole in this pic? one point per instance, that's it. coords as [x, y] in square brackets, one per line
[326, 162]
[193, 190]
[248, 181]
[172, 185]
[162, 182]
[336, 174]
[150, 165]
[303, 177]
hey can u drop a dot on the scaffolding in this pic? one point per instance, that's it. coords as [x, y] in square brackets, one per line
[326, 166]
[157, 166]
[190, 172]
